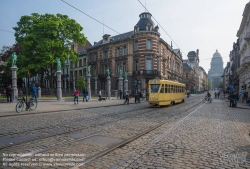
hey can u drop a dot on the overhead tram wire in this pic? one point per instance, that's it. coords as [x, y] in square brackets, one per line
[6, 31]
[161, 27]
[89, 16]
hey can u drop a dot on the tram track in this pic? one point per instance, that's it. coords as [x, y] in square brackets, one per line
[116, 120]
[58, 126]
[127, 140]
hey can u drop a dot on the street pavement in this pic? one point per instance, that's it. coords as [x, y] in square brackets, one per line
[210, 135]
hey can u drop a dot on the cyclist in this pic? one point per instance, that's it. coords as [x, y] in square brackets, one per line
[208, 96]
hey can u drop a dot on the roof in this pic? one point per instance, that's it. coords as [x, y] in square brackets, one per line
[142, 23]
[192, 53]
[216, 54]
[115, 38]
[186, 66]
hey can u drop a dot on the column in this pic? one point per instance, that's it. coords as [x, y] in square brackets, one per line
[126, 84]
[14, 84]
[88, 85]
[108, 87]
[59, 89]
[120, 83]
[96, 85]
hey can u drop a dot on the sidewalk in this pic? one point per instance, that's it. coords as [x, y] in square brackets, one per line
[50, 104]
[240, 105]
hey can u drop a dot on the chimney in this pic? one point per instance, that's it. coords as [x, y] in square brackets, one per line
[106, 38]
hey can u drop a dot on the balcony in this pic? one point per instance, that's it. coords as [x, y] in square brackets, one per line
[150, 73]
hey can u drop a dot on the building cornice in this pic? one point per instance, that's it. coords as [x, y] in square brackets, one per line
[244, 19]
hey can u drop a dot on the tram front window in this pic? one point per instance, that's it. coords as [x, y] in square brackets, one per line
[154, 88]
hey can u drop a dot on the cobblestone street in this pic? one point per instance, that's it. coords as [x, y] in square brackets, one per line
[188, 135]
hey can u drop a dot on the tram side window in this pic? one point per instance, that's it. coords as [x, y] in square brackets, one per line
[179, 89]
[166, 88]
[174, 89]
[162, 88]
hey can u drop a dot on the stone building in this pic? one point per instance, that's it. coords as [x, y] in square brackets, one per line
[141, 53]
[194, 76]
[244, 53]
[216, 70]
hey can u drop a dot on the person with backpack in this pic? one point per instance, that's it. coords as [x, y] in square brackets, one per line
[84, 94]
[9, 91]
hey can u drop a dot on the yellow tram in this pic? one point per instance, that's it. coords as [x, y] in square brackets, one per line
[165, 92]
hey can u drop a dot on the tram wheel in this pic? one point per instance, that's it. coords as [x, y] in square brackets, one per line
[171, 104]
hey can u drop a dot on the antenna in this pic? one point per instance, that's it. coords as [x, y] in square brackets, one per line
[103, 26]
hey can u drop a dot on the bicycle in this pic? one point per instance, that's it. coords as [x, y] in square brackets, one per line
[30, 105]
[206, 99]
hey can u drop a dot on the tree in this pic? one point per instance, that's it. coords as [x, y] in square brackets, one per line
[80, 83]
[44, 38]
[221, 85]
[209, 85]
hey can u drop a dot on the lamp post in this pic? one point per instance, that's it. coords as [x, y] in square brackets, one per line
[67, 78]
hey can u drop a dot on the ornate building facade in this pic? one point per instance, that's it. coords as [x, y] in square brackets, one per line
[141, 53]
[244, 53]
[216, 70]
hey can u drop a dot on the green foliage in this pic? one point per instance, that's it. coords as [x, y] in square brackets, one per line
[43, 38]
[80, 83]
[209, 85]
[221, 85]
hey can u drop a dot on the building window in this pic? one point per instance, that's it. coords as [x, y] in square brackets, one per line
[80, 63]
[95, 57]
[71, 65]
[149, 44]
[149, 64]
[136, 65]
[76, 65]
[118, 51]
[84, 62]
[136, 45]
[117, 68]
[186, 75]
[105, 54]
[124, 67]
[124, 50]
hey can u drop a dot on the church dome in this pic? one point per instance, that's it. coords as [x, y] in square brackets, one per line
[145, 22]
[216, 54]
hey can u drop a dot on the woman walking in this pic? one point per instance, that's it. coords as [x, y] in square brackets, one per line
[76, 95]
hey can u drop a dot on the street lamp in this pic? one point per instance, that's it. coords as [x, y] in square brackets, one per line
[67, 65]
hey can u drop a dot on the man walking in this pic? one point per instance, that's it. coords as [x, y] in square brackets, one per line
[127, 98]
[9, 94]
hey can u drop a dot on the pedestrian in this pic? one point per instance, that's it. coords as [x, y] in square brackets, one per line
[218, 94]
[33, 91]
[120, 94]
[100, 95]
[215, 94]
[76, 95]
[9, 91]
[136, 97]
[127, 98]
[233, 99]
[84, 94]
[87, 95]
[124, 95]
[139, 96]
[241, 96]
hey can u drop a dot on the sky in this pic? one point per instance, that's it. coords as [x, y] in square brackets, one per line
[206, 25]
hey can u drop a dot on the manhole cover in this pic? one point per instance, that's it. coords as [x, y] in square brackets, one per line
[102, 141]
[80, 134]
